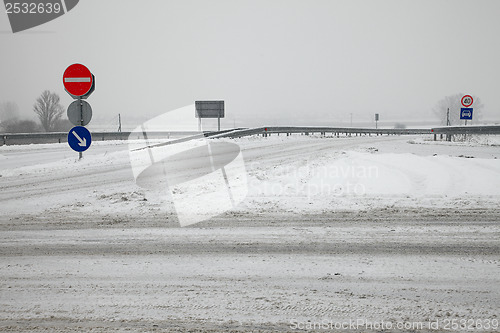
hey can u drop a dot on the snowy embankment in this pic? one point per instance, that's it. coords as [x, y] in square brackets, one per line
[296, 174]
[378, 173]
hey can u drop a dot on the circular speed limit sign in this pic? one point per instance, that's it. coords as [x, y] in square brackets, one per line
[467, 101]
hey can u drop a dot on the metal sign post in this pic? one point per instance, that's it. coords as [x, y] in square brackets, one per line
[79, 83]
[466, 111]
[80, 154]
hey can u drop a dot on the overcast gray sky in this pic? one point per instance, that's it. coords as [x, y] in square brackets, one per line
[273, 62]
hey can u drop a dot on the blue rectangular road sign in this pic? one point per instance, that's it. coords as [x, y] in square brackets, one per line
[466, 113]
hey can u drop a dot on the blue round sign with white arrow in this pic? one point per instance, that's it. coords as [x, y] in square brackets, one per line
[79, 138]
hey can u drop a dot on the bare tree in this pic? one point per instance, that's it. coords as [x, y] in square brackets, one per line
[453, 103]
[48, 110]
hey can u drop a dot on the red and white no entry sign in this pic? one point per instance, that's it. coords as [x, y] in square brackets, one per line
[77, 80]
[467, 101]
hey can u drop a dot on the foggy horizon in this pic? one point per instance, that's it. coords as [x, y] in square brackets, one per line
[279, 62]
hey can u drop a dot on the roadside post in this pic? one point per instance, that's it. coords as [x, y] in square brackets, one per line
[466, 111]
[79, 83]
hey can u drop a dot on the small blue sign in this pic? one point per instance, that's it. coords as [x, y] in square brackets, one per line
[79, 138]
[466, 113]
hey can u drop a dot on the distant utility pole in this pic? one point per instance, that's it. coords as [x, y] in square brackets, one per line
[119, 122]
[448, 136]
[351, 119]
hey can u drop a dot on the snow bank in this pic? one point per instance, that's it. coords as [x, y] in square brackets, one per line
[361, 180]
[297, 174]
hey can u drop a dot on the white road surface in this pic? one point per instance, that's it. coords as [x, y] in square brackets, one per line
[83, 248]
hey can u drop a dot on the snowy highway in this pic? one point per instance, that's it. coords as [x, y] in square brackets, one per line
[83, 247]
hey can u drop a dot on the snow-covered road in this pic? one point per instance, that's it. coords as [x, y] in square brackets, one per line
[82, 247]
[246, 278]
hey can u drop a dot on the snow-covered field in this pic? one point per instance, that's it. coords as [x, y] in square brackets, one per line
[386, 230]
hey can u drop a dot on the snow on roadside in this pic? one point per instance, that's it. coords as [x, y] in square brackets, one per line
[70, 165]
[336, 176]
[362, 180]
[469, 140]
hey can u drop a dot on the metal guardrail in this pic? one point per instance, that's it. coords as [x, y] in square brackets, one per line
[55, 137]
[450, 130]
[348, 130]
[58, 137]
[487, 129]
[239, 133]
[322, 130]
[34, 138]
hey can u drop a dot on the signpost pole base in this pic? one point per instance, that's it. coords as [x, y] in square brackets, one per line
[80, 154]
